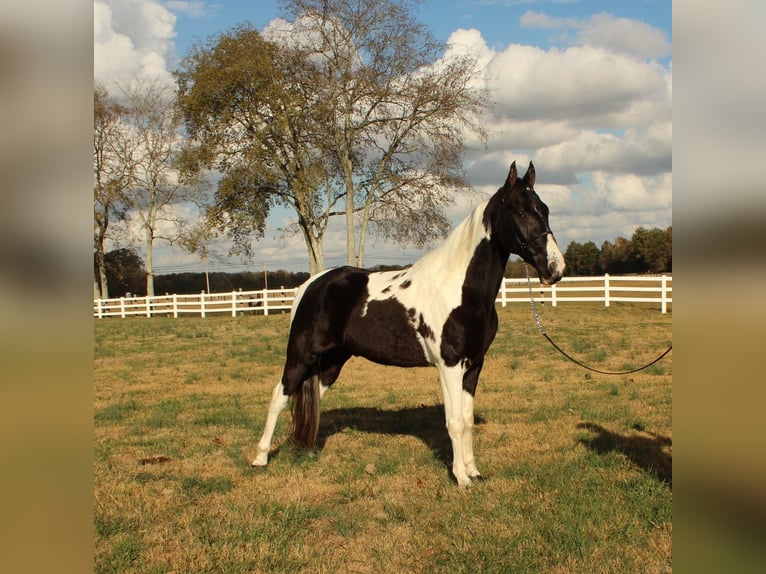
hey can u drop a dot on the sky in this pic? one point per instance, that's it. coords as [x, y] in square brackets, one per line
[581, 88]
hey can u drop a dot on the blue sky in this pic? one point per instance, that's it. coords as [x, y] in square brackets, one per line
[498, 20]
[582, 88]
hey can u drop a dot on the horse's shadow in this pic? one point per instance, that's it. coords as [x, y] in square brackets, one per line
[424, 422]
[645, 452]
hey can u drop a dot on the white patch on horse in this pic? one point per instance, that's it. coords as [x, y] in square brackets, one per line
[418, 287]
[555, 258]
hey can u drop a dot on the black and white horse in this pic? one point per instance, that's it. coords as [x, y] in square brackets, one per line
[440, 311]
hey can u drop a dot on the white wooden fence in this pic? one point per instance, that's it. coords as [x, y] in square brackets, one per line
[607, 290]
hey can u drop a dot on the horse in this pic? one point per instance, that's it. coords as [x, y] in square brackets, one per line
[440, 311]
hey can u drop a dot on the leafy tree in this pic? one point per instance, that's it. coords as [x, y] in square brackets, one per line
[251, 108]
[125, 272]
[616, 257]
[652, 249]
[590, 264]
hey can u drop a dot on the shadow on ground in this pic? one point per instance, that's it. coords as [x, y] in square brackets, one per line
[424, 422]
[646, 452]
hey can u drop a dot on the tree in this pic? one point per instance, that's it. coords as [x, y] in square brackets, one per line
[652, 249]
[125, 272]
[590, 264]
[616, 257]
[159, 176]
[348, 108]
[251, 108]
[399, 114]
[110, 178]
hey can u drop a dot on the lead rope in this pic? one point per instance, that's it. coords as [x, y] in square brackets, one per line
[567, 355]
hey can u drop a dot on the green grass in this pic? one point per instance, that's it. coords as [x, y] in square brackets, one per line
[578, 465]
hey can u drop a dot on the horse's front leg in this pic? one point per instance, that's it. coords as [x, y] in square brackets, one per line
[468, 456]
[452, 389]
[470, 380]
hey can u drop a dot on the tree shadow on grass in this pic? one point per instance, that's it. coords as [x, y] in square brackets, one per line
[646, 452]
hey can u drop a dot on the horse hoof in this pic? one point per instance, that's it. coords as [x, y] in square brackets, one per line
[260, 461]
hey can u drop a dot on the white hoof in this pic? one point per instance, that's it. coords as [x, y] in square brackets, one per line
[473, 472]
[464, 481]
[261, 460]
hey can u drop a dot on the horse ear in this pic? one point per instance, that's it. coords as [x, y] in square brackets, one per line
[530, 175]
[510, 181]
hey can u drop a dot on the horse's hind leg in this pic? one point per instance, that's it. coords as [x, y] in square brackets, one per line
[332, 365]
[277, 404]
[292, 377]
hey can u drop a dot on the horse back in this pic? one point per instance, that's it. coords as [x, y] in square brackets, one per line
[336, 313]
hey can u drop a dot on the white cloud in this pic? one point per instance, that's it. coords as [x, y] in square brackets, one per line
[195, 8]
[622, 35]
[579, 84]
[133, 39]
[629, 192]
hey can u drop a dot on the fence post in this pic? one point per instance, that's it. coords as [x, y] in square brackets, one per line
[99, 310]
[265, 301]
[202, 303]
[175, 306]
[122, 307]
[554, 300]
[234, 303]
[664, 294]
[606, 289]
[504, 293]
[148, 307]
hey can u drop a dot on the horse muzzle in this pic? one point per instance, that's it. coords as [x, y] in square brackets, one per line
[554, 277]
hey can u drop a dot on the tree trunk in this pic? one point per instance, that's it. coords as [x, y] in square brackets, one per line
[148, 261]
[350, 239]
[363, 233]
[348, 178]
[102, 279]
[314, 247]
[100, 285]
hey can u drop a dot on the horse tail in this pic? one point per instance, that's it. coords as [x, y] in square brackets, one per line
[305, 408]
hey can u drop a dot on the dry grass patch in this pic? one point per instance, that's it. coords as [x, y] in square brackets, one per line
[578, 465]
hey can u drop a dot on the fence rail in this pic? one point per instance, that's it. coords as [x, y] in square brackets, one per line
[607, 290]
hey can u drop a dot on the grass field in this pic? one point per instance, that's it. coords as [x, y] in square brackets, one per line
[578, 465]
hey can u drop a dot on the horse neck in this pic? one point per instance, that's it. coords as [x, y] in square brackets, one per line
[486, 268]
[455, 252]
[469, 257]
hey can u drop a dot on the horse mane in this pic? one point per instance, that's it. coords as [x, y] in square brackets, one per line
[456, 251]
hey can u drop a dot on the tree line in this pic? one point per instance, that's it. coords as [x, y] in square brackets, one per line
[346, 109]
[126, 274]
[647, 251]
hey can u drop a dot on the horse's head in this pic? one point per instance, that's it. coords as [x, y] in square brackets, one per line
[521, 226]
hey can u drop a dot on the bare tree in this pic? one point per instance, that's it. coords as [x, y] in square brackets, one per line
[400, 110]
[159, 178]
[110, 178]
